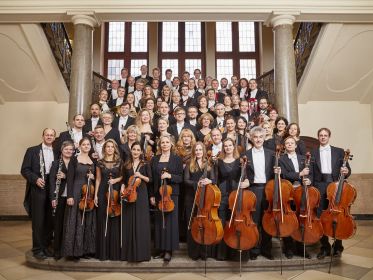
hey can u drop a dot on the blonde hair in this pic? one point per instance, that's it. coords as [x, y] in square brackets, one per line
[132, 128]
[116, 150]
[193, 165]
[205, 115]
[236, 154]
[186, 132]
[138, 118]
[169, 137]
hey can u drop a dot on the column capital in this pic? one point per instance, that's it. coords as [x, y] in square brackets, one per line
[280, 18]
[86, 18]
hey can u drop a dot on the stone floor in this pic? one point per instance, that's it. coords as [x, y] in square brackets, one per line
[15, 240]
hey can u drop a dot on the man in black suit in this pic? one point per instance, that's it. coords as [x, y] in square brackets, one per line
[328, 165]
[219, 121]
[186, 100]
[192, 117]
[124, 120]
[94, 120]
[113, 91]
[255, 92]
[119, 100]
[123, 82]
[144, 75]
[35, 169]
[75, 134]
[259, 171]
[168, 80]
[180, 124]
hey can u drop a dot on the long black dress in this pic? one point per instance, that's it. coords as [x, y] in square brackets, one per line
[107, 248]
[136, 221]
[167, 239]
[78, 240]
[191, 179]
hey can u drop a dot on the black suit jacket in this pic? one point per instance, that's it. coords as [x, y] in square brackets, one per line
[259, 95]
[115, 124]
[112, 103]
[288, 171]
[189, 102]
[269, 163]
[173, 129]
[88, 125]
[64, 136]
[30, 170]
[125, 85]
[171, 120]
[148, 78]
[337, 155]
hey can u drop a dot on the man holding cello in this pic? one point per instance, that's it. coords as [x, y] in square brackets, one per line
[327, 167]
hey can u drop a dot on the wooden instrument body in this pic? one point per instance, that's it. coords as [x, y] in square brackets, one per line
[87, 198]
[129, 194]
[166, 204]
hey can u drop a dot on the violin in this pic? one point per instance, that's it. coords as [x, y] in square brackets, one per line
[86, 203]
[129, 194]
[279, 220]
[241, 233]
[337, 220]
[206, 227]
[166, 204]
[184, 152]
[306, 200]
[148, 151]
[113, 206]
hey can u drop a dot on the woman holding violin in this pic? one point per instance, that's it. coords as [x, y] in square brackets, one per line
[79, 238]
[131, 136]
[144, 124]
[184, 144]
[167, 174]
[107, 201]
[135, 214]
[192, 178]
[58, 192]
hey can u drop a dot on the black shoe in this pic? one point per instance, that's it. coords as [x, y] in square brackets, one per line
[337, 253]
[253, 257]
[268, 255]
[167, 256]
[300, 254]
[47, 253]
[289, 254]
[40, 256]
[160, 256]
[322, 254]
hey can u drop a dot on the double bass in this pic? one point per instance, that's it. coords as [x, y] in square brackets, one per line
[306, 200]
[206, 227]
[241, 233]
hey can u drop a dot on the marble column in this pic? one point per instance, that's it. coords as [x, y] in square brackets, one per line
[285, 76]
[82, 66]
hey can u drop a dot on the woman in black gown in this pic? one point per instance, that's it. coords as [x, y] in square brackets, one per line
[192, 177]
[131, 136]
[294, 131]
[135, 215]
[107, 247]
[228, 176]
[78, 239]
[166, 239]
[205, 121]
[110, 132]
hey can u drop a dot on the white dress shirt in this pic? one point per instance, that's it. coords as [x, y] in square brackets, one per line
[94, 122]
[138, 95]
[191, 93]
[216, 148]
[98, 149]
[193, 122]
[210, 103]
[259, 165]
[122, 123]
[169, 83]
[243, 92]
[78, 135]
[246, 116]
[294, 160]
[123, 82]
[114, 94]
[131, 89]
[326, 159]
[155, 92]
[253, 93]
[119, 101]
[179, 127]
[220, 121]
[48, 157]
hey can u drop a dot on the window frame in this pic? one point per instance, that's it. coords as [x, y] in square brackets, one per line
[235, 54]
[181, 55]
[127, 55]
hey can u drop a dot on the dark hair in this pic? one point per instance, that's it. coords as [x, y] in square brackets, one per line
[288, 129]
[83, 139]
[125, 104]
[325, 129]
[275, 130]
[129, 162]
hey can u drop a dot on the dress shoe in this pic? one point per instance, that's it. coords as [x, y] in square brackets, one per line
[40, 256]
[268, 255]
[48, 253]
[167, 257]
[289, 254]
[322, 254]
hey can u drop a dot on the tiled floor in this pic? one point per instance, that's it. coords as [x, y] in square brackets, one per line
[15, 240]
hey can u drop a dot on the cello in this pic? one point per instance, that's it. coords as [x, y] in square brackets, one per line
[279, 220]
[166, 204]
[336, 219]
[306, 200]
[241, 233]
[113, 209]
[87, 203]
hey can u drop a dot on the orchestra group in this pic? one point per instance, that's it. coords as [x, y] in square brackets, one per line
[185, 159]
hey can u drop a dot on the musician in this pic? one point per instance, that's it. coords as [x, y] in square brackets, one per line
[243, 111]
[197, 74]
[176, 84]
[192, 116]
[79, 240]
[234, 91]
[166, 94]
[268, 129]
[201, 86]
[217, 144]
[131, 84]
[273, 115]
[75, 134]
[326, 169]
[293, 169]
[233, 83]
[94, 120]
[97, 144]
[130, 99]
[113, 91]
[124, 79]
[185, 77]
[228, 105]
[135, 215]
[180, 124]
[205, 122]
[150, 106]
[175, 101]
[140, 84]
[211, 99]
[259, 171]
[124, 120]
[202, 106]
[224, 86]
[219, 121]
[145, 125]
[110, 132]
[148, 93]
[192, 178]
[119, 100]
[162, 127]
[192, 89]
[235, 104]
[262, 113]
[294, 131]
[58, 193]
[230, 125]
[243, 136]
[164, 110]
[184, 144]
[144, 75]
[186, 100]
[167, 81]
[156, 73]
[166, 239]
[229, 172]
[131, 136]
[107, 247]
[155, 87]
[255, 92]
[278, 134]
[35, 169]
[243, 88]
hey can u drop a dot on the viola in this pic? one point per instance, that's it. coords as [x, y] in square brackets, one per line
[306, 200]
[336, 219]
[166, 204]
[113, 205]
[129, 194]
[206, 227]
[241, 233]
[86, 203]
[279, 220]
[148, 151]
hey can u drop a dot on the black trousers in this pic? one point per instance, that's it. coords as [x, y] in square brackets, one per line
[41, 215]
[58, 220]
